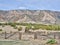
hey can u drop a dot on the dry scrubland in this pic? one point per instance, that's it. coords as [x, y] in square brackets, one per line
[44, 35]
[30, 26]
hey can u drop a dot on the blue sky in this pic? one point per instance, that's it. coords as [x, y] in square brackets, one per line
[30, 4]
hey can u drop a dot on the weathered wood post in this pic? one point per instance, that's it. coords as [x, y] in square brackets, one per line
[10, 32]
[54, 36]
[5, 35]
[35, 35]
[20, 35]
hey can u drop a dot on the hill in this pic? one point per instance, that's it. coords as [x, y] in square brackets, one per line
[30, 16]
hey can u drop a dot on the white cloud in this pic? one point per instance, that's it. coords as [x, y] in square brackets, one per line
[22, 7]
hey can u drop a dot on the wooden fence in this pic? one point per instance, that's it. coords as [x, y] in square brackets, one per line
[34, 35]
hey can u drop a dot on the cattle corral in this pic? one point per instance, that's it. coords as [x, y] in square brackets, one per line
[30, 35]
[12, 33]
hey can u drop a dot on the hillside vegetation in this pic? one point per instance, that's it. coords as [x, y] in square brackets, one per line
[33, 26]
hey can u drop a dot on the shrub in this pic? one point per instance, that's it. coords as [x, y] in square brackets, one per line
[13, 25]
[20, 28]
[0, 23]
[3, 25]
[27, 28]
[58, 27]
[48, 27]
[36, 26]
[51, 41]
[0, 29]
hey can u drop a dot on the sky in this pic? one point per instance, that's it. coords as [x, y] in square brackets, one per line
[30, 4]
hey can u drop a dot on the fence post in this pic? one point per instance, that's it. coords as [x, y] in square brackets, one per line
[54, 36]
[5, 35]
[10, 32]
[20, 35]
[35, 35]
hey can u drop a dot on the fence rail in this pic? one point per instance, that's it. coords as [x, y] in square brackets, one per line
[31, 35]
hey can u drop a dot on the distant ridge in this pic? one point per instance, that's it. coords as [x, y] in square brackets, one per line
[30, 16]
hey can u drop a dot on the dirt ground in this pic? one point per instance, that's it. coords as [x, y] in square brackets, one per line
[27, 39]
